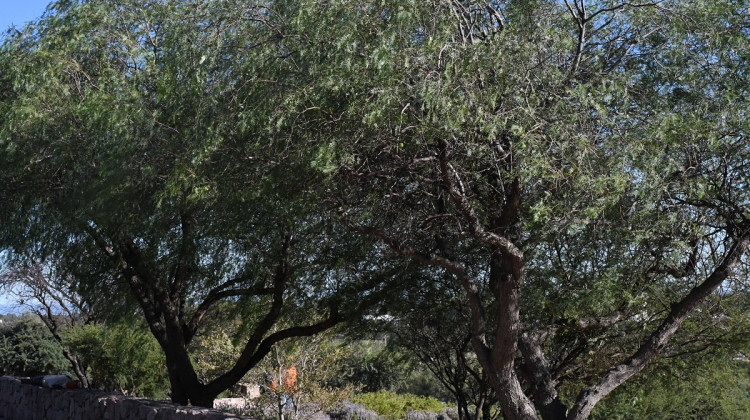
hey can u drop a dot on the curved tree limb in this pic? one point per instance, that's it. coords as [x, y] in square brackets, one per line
[592, 394]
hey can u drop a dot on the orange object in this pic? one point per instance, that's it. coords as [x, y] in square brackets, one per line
[288, 381]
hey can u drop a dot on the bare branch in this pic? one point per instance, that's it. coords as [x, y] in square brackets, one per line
[215, 295]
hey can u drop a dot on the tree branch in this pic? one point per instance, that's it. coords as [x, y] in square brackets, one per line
[150, 310]
[471, 288]
[592, 394]
[215, 295]
[185, 252]
[467, 210]
[546, 398]
[279, 287]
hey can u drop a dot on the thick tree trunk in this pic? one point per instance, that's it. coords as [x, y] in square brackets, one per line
[184, 383]
[186, 389]
[507, 274]
[177, 394]
[545, 395]
[203, 400]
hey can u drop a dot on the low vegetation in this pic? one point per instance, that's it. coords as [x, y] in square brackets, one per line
[392, 406]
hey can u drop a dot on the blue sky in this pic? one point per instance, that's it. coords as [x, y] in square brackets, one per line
[19, 12]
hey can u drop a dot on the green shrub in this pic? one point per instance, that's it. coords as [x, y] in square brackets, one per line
[374, 365]
[121, 357]
[393, 406]
[28, 349]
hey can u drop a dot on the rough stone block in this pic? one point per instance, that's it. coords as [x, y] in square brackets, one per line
[29, 402]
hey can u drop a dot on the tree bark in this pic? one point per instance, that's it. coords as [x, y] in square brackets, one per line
[507, 274]
[545, 395]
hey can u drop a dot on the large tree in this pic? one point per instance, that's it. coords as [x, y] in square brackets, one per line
[584, 162]
[587, 162]
[138, 161]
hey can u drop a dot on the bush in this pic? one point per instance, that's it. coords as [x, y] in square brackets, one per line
[372, 365]
[121, 357]
[28, 349]
[393, 406]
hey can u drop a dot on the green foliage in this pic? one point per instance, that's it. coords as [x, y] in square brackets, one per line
[717, 389]
[160, 117]
[428, 327]
[213, 354]
[303, 377]
[121, 357]
[252, 152]
[374, 365]
[394, 406]
[422, 382]
[28, 349]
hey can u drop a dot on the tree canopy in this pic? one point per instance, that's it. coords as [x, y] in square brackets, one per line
[577, 170]
[140, 165]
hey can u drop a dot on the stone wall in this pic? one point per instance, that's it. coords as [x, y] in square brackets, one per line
[29, 402]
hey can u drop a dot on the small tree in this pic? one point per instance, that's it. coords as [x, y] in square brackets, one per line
[303, 378]
[55, 303]
[283, 386]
